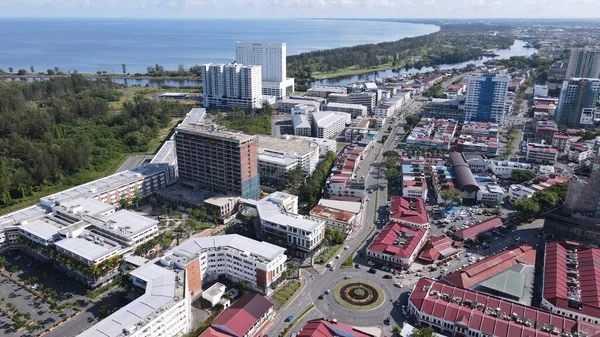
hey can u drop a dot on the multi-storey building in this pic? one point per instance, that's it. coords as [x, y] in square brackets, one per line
[545, 130]
[229, 85]
[490, 194]
[444, 108]
[409, 211]
[584, 62]
[578, 98]
[271, 57]
[338, 214]
[432, 133]
[324, 92]
[328, 124]
[355, 110]
[282, 225]
[414, 184]
[541, 153]
[218, 160]
[302, 125]
[163, 310]
[277, 156]
[486, 98]
[397, 245]
[287, 104]
[367, 98]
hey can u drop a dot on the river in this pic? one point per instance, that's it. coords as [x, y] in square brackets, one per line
[517, 49]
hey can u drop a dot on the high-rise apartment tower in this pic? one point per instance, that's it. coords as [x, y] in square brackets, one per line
[577, 104]
[486, 98]
[228, 85]
[584, 62]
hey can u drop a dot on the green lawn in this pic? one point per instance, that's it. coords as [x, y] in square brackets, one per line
[329, 253]
[286, 292]
[376, 304]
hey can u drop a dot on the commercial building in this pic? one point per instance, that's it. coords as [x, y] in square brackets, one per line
[355, 110]
[456, 312]
[432, 133]
[485, 100]
[444, 108]
[397, 245]
[218, 160]
[438, 248]
[282, 225]
[343, 186]
[229, 85]
[501, 169]
[414, 184]
[163, 310]
[544, 111]
[232, 256]
[409, 212]
[287, 104]
[325, 145]
[519, 191]
[271, 57]
[336, 218]
[579, 153]
[541, 153]
[540, 90]
[442, 178]
[578, 98]
[324, 91]
[490, 194]
[545, 130]
[332, 328]
[276, 156]
[464, 177]
[571, 281]
[474, 231]
[302, 125]
[480, 144]
[561, 142]
[367, 98]
[584, 62]
[328, 124]
[244, 318]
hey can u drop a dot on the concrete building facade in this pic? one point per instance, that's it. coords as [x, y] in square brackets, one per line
[583, 62]
[271, 57]
[229, 85]
[578, 95]
[486, 98]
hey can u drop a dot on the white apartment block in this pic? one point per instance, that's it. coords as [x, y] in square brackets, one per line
[355, 110]
[163, 310]
[491, 194]
[282, 225]
[236, 257]
[302, 125]
[485, 100]
[327, 124]
[276, 156]
[518, 191]
[584, 62]
[229, 85]
[272, 59]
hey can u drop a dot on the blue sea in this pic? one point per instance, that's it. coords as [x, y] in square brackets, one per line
[91, 45]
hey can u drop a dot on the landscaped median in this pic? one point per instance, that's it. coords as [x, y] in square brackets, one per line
[286, 292]
[330, 252]
[358, 294]
[295, 321]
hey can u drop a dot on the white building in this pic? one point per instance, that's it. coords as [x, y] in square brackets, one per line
[229, 85]
[340, 215]
[540, 90]
[302, 125]
[272, 59]
[163, 310]
[584, 62]
[328, 124]
[287, 104]
[355, 110]
[491, 194]
[504, 169]
[277, 156]
[485, 100]
[518, 191]
[325, 145]
[214, 293]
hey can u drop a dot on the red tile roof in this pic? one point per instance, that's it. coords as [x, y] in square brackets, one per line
[432, 251]
[556, 276]
[493, 265]
[408, 210]
[479, 312]
[385, 241]
[239, 318]
[331, 213]
[323, 328]
[473, 231]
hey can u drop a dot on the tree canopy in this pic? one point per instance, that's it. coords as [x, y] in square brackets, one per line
[520, 176]
[452, 195]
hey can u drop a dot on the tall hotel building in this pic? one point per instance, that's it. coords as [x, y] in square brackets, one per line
[486, 98]
[218, 160]
[229, 85]
[584, 62]
[272, 59]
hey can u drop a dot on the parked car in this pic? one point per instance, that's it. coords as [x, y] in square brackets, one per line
[387, 276]
[320, 297]
[372, 271]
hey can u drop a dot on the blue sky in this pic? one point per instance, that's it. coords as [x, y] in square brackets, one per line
[302, 8]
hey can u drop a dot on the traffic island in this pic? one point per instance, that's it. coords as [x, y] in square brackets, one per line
[358, 294]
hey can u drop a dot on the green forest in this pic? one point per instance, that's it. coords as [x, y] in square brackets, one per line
[453, 44]
[62, 132]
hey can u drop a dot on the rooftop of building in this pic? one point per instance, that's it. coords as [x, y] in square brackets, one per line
[301, 121]
[163, 288]
[480, 271]
[491, 315]
[463, 173]
[572, 277]
[45, 229]
[239, 318]
[258, 250]
[194, 116]
[332, 213]
[411, 210]
[348, 206]
[327, 88]
[312, 101]
[473, 231]
[214, 131]
[345, 106]
[536, 147]
[438, 248]
[397, 240]
[296, 147]
[274, 213]
[490, 188]
[326, 118]
[166, 153]
[124, 223]
[329, 328]
[89, 246]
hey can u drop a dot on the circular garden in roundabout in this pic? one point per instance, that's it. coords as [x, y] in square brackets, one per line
[358, 294]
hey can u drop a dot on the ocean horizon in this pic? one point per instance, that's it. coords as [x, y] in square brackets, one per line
[91, 45]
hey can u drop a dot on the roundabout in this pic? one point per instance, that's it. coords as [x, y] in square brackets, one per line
[358, 294]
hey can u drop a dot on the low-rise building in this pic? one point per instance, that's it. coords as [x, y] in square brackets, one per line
[334, 218]
[276, 156]
[302, 125]
[384, 111]
[578, 153]
[409, 212]
[366, 98]
[443, 179]
[474, 231]
[545, 130]
[541, 153]
[438, 248]
[325, 91]
[331, 328]
[445, 109]
[490, 194]
[244, 318]
[342, 185]
[397, 245]
[432, 133]
[287, 104]
[518, 191]
[327, 124]
[414, 184]
[355, 110]
[571, 281]
[561, 142]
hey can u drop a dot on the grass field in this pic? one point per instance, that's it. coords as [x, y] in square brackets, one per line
[286, 292]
